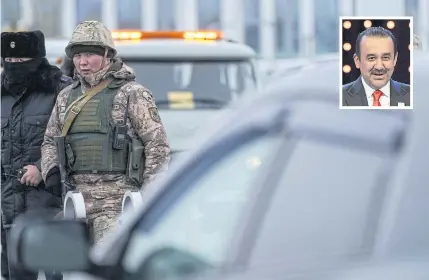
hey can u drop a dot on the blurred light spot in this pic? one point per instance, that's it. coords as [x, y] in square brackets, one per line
[347, 46]
[347, 68]
[253, 162]
[367, 23]
[409, 47]
[59, 60]
[347, 24]
[409, 69]
[390, 24]
[409, 25]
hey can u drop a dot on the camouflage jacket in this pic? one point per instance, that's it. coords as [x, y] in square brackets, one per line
[143, 122]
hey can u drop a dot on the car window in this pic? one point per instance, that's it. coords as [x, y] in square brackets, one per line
[189, 84]
[325, 205]
[202, 223]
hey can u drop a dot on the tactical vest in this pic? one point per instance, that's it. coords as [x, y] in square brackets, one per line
[91, 136]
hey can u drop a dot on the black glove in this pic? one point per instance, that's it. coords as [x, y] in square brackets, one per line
[53, 181]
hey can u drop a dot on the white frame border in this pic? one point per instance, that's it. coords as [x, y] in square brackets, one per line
[340, 67]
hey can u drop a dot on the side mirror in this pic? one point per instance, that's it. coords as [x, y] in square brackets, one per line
[61, 245]
[171, 262]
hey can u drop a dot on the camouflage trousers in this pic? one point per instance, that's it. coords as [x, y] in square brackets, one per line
[103, 196]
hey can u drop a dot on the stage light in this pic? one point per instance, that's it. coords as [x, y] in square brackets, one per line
[390, 24]
[347, 46]
[347, 69]
[367, 23]
[347, 24]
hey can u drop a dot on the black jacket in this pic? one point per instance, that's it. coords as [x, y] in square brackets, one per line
[23, 124]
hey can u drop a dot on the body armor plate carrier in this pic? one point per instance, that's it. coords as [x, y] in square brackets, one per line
[91, 137]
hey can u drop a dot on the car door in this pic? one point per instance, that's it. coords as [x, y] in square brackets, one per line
[326, 202]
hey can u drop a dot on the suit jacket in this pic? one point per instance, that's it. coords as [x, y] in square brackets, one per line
[354, 93]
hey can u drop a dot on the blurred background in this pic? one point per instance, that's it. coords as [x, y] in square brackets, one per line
[276, 29]
[401, 31]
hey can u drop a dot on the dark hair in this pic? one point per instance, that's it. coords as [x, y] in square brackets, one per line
[376, 31]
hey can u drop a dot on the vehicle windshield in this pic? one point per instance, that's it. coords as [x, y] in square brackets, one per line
[191, 84]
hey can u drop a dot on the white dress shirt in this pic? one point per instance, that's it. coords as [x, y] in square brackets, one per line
[384, 99]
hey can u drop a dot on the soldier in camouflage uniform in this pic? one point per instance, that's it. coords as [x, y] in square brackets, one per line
[96, 168]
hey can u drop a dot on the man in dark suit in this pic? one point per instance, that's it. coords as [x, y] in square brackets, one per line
[375, 57]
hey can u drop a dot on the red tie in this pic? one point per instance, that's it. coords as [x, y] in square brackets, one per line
[376, 97]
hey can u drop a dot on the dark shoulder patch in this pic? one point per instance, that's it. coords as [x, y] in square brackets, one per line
[153, 111]
[65, 79]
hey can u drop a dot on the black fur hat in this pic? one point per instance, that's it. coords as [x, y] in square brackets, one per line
[29, 44]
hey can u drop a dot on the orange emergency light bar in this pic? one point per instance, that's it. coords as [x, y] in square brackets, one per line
[184, 35]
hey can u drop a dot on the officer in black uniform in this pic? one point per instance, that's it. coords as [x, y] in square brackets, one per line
[29, 88]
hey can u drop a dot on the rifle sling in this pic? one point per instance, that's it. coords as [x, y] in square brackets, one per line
[75, 107]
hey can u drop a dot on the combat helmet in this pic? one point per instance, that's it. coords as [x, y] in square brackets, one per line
[91, 34]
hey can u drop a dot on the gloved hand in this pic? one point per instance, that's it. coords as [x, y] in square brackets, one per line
[53, 181]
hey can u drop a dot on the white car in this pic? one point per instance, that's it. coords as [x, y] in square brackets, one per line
[295, 185]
